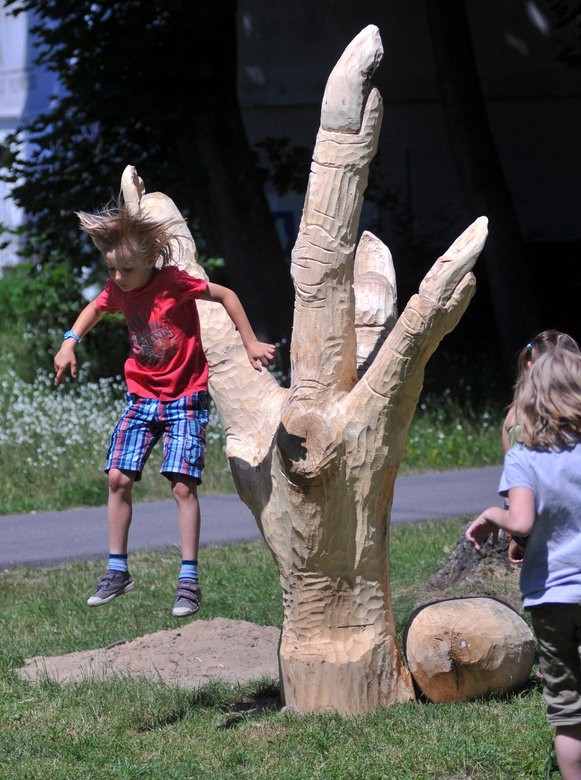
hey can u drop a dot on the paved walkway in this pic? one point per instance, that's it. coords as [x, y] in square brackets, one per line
[49, 538]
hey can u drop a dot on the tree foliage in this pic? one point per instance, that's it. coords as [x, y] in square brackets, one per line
[105, 116]
[151, 83]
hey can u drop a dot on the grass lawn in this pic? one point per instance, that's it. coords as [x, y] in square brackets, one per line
[132, 728]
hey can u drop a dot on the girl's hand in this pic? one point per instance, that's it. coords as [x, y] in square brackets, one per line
[260, 354]
[65, 358]
[516, 553]
[479, 530]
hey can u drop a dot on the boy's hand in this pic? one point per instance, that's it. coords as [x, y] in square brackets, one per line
[260, 354]
[479, 530]
[65, 358]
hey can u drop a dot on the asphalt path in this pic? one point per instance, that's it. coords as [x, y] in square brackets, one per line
[51, 538]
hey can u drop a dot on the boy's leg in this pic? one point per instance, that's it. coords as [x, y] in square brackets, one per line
[119, 510]
[185, 421]
[131, 443]
[185, 492]
[568, 751]
[116, 581]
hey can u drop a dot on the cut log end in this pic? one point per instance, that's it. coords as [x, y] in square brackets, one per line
[459, 649]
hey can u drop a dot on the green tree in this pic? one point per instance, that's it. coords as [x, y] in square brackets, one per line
[150, 83]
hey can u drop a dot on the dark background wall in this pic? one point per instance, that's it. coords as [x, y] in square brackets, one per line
[286, 51]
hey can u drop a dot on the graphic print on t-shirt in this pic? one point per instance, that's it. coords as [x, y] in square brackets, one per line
[153, 343]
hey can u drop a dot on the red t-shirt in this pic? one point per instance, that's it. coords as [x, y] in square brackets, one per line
[167, 360]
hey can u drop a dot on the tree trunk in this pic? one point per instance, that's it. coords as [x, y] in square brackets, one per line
[235, 218]
[227, 190]
[480, 172]
[316, 463]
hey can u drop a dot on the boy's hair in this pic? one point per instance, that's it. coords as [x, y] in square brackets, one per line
[542, 342]
[549, 401]
[129, 234]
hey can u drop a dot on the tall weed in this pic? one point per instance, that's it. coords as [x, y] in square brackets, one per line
[447, 434]
[53, 441]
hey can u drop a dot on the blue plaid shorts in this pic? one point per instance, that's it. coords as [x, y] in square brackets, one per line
[182, 423]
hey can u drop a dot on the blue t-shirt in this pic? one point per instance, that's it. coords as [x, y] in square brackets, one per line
[551, 570]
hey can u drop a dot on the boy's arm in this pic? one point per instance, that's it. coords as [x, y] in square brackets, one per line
[518, 519]
[65, 357]
[259, 353]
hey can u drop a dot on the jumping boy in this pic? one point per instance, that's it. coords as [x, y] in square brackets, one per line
[167, 382]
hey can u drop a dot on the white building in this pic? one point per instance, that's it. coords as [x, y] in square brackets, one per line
[25, 91]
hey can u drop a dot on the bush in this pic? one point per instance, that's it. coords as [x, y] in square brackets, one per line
[37, 304]
[44, 295]
[54, 440]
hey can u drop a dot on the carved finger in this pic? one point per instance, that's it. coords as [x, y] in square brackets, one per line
[444, 296]
[441, 280]
[374, 285]
[348, 84]
[322, 259]
[249, 426]
[133, 189]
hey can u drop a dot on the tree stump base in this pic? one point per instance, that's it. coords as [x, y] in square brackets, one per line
[316, 463]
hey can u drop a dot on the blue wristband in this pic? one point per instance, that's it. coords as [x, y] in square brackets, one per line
[70, 334]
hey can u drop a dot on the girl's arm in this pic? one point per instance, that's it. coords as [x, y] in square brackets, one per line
[259, 353]
[509, 421]
[518, 519]
[65, 357]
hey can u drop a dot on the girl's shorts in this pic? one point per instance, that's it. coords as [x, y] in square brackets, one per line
[558, 631]
[182, 423]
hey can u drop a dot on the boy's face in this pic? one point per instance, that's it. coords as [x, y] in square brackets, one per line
[128, 272]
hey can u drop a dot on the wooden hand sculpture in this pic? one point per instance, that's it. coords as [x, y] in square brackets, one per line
[316, 463]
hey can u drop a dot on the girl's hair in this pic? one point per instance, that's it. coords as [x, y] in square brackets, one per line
[129, 234]
[543, 342]
[549, 401]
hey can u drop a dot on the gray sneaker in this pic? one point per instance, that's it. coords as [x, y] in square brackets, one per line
[188, 598]
[111, 585]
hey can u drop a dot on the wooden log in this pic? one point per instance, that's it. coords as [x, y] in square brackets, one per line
[460, 649]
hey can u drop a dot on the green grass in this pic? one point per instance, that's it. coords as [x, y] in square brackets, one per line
[137, 729]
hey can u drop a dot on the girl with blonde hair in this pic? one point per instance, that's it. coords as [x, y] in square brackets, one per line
[542, 479]
[543, 342]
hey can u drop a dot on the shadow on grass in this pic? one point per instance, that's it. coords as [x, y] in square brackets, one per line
[237, 703]
[262, 698]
